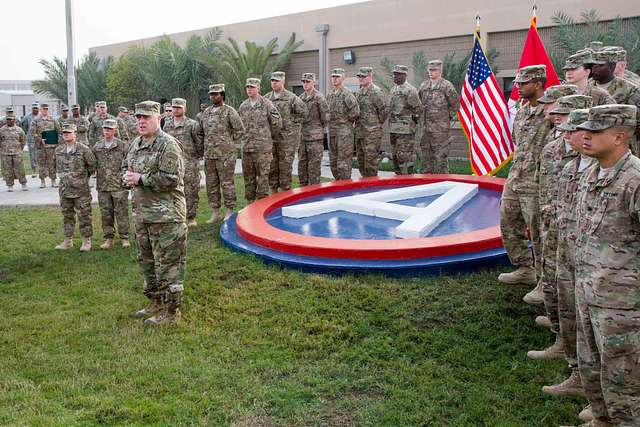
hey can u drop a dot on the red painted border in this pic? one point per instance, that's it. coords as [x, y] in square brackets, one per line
[253, 227]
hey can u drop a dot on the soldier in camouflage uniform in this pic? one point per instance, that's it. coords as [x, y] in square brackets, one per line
[519, 205]
[26, 127]
[440, 102]
[64, 118]
[404, 113]
[285, 143]
[608, 268]
[113, 198]
[621, 65]
[260, 119]
[343, 112]
[123, 124]
[81, 122]
[311, 146]
[95, 128]
[154, 169]
[74, 164]
[12, 142]
[9, 113]
[45, 132]
[187, 132]
[131, 125]
[203, 107]
[577, 71]
[221, 129]
[369, 125]
[554, 156]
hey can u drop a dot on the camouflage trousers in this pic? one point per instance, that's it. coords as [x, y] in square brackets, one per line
[219, 174]
[549, 248]
[566, 284]
[341, 152]
[80, 206]
[402, 151]
[255, 170]
[12, 169]
[281, 169]
[47, 161]
[162, 255]
[114, 208]
[33, 157]
[434, 148]
[192, 186]
[310, 162]
[519, 214]
[368, 144]
[609, 360]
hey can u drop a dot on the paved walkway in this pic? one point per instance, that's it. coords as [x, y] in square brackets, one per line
[48, 196]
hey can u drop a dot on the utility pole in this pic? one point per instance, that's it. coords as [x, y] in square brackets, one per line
[71, 75]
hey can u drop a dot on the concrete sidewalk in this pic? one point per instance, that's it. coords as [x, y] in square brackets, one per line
[48, 196]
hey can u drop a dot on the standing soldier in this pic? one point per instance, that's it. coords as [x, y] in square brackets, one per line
[12, 141]
[404, 113]
[343, 112]
[373, 113]
[123, 125]
[113, 198]
[621, 65]
[45, 131]
[26, 127]
[64, 117]
[440, 102]
[261, 119]
[221, 129]
[153, 168]
[578, 70]
[166, 116]
[311, 147]
[285, 143]
[187, 132]
[519, 205]
[132, 126]
[203, 107]
[95, 129]
[75, 163]
[608, 267]
[82, 124]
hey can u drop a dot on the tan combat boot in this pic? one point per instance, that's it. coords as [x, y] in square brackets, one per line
[10, 188]
[86, 244]
[125, 243]
[108, 244]
[215, 214]
[586, 415]
[53, 183]
[228, 214]
[556, 351]
[67, 243]
[154, 307]
[192, 222]
[543, 321]
[572, 386]
[24, 187]
[535, 296]
[167, 317]
[42, 184]
[523, 275]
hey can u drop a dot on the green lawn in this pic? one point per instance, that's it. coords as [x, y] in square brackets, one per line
[258, 345]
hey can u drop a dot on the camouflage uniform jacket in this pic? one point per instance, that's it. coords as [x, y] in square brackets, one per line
[259, 120]
[632, 77]
[404, 109]
[109, 164]
[343, 109]
[123, 129]
[530, 130]
[622, 91]
[318, 117]
[73, 169]
[188, 134]
[439, 100]
[566, 212]
[608, 247]
[41, 124]
[292, 110]
[373, 108]
[160, 198]
[132, 127]
[598, 96]
[95, 128]
[82, 125]
[12, 140]
[552, 160]
[221, 128]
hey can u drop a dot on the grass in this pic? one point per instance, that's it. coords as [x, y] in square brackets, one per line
[259, 345]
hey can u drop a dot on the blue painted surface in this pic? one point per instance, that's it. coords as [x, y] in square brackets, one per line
[415, 267]
[482, 211]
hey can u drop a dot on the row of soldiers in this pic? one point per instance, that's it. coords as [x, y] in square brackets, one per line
[574, 190]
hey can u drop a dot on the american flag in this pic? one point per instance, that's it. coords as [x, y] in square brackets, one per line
[484, 116]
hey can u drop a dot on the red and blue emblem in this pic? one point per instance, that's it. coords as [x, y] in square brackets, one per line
[401, 225]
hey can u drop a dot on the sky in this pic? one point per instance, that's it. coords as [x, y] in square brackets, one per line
[38, 27]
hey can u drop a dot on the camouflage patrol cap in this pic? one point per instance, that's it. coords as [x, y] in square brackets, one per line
[566, 104]
[580, 58]
[9, 110]
[619, 51]
[101, 104]
[604, 57]
[338, 72]
[35, 105]
[123, 109]
[216, 88]
[576, 117]
[253, 82]
[595, 45]
[553, 93]
[277, 75]
[308, 77]
[179, 102]
[68, 128]
[110, 124]
[604, 117]
[64, 108]
[364, 71]
[166, 106]
[44, 105]
[532, 72]
[147, 108]
[75, 107]
[400, 69]
[435, 64]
